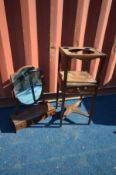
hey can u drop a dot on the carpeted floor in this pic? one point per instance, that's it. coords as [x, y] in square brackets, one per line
[73, 149]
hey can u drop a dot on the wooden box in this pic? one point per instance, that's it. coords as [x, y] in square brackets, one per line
[32, 115]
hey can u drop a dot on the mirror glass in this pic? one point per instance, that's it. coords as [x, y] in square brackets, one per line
[27, 85]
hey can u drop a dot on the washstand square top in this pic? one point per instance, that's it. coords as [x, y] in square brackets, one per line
[82, 53]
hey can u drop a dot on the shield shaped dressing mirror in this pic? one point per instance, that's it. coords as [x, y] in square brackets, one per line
[27, 85]
[28, 89]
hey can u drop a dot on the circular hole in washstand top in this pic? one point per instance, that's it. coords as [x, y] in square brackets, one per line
[81, 51]
[87, 48]
[65, 47]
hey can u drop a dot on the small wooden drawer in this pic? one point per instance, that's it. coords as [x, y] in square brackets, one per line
[82, 90]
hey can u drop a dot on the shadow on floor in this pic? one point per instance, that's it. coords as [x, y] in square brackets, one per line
[54, 122]
[6, 125]
[105, 109]
[104, 113]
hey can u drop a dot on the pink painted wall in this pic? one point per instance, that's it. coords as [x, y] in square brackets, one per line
[31, 32]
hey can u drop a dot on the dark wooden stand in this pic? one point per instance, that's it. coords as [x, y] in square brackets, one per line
[80, 83]
[32, 115]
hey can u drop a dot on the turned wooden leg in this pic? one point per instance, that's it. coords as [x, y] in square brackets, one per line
[92, 108]
[57, 95]
[62, 109]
